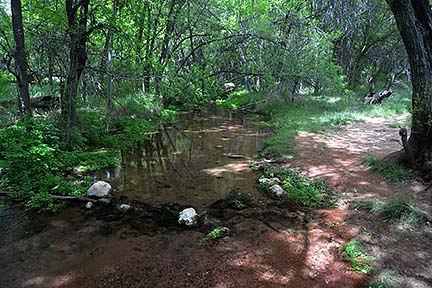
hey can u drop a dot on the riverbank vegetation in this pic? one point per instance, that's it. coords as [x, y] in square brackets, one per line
[102, 75]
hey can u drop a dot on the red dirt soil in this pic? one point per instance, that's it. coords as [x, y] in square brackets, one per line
[279, 249]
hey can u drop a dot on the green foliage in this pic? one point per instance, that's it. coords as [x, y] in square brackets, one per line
[239, 99]
[360, 262]
[309, 115]
[398, 208]
[42, 201]
[214, 235]
[391, 172]
[169, 116]
[317, 115]
[96, 160]
[34, 166]
[370, 205]
[130, 131]
[302, 190]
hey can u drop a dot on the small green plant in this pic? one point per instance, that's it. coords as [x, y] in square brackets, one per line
[381, 283]
[390, 171]
[42, 202]
[360, 262]
[370, 205]
[214, 235]
[302, 190]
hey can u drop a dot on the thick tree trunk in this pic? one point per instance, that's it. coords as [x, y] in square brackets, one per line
[414, 21]
[20, 60]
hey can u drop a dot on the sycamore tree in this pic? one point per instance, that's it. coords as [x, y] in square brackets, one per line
[414, 20]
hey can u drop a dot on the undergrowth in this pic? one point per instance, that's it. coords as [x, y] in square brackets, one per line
[315, 114]
[300, 189]
[389, 171]
[360, 262]
[398, 208]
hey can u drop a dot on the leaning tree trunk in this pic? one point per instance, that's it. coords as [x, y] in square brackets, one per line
[414, 21]
[20, 60]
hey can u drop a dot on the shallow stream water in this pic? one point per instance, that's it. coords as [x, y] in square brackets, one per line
[197, 161]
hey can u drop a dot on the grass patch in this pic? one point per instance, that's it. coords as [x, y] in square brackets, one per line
[390, 172]
[214, 235]
[300, 189]
[401, 124]
[315, 114]
[360, 262]
[398, 208]
[309, 115]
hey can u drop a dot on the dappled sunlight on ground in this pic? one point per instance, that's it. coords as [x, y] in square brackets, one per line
[402, 249]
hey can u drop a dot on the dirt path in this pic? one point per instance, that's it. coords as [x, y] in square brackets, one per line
[271, 246]
[403, 252]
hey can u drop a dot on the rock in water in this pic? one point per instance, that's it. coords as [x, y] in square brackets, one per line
[188, 217]
[89, 205]
[277, 190]
[124, 207]
[99, 189]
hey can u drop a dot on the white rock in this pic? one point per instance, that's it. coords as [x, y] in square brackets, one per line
[265, 181]
[277, 190]
[89, 205]
[188, 217]
[229, 86]
[124, 207]
[99, 189]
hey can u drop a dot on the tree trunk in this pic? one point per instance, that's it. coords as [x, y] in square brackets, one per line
[414, 21]
[20, 61]
[78, 36]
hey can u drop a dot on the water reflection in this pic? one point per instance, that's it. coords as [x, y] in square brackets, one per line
[195, 162]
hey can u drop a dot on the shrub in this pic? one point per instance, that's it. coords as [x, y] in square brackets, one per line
[214, 235]
[33, 165]
[301, 189]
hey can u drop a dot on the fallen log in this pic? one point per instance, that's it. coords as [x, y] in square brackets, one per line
[377, 98]
[69, 198]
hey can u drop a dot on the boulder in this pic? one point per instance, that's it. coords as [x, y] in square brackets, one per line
[276, 190]
[188, 217]
[100, 189]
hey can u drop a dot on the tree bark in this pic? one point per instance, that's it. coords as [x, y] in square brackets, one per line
[78, 36]
[414, 21]
[20, 61]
